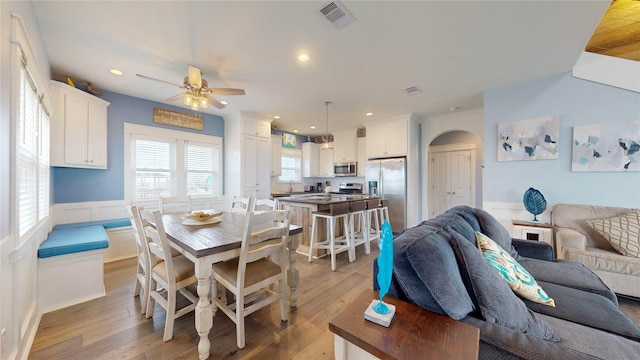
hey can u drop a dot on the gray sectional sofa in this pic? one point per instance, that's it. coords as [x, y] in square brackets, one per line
[438, 267]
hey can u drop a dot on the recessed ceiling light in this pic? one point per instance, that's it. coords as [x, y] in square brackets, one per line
[115, 71]
[454, 108]
[277, 117]
[369, 114]
[295, 131]
[303, 57]
[312, 127]
[224, 102]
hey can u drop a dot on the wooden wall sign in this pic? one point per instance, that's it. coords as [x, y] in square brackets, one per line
[174, 118]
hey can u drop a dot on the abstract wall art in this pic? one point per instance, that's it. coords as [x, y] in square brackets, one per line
[606, 147]
[531, 139]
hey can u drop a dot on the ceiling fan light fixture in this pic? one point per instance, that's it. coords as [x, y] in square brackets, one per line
[188, 99]
[204, 102]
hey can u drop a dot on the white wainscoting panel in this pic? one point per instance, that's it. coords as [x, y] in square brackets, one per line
[506, 212]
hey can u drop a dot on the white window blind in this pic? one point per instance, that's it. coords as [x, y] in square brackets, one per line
[153, 166]
[201, 166]
[33, 156]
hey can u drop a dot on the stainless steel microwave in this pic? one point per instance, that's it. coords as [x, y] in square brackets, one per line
[348, 168]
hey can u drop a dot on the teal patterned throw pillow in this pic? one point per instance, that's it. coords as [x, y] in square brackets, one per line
[518, 278]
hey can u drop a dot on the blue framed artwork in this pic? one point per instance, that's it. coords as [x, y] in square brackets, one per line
[289, 141]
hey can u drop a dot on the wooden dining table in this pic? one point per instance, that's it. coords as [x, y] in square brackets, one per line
[208, 244]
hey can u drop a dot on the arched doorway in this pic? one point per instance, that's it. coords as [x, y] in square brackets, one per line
[455, 171]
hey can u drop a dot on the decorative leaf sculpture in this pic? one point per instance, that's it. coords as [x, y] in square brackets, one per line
[385, 265]
[534, 202]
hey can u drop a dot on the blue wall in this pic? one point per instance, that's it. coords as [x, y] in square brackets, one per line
[575, 102]
[80, 185]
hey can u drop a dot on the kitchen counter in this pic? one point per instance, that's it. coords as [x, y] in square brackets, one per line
[302, 208]
[325, 199]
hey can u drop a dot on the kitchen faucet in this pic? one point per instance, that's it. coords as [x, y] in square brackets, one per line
[291, 186]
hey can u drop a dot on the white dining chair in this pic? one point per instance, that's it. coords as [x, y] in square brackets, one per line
[249, 276]
[174, 204]
[143, 267]
[241, 205]
[168, 277]
[265, 204]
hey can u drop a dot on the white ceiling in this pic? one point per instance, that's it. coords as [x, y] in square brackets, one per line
[452, 50]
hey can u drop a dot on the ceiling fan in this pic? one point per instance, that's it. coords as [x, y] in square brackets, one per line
[197, 93]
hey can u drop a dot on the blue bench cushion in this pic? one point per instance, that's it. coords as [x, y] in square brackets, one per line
[107, 224]
[72, 240]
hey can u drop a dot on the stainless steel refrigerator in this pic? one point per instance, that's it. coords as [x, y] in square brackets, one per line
[388, 179]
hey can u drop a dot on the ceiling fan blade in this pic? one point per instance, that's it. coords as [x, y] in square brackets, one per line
[215, 102]
[225, 91]
[162, 81]
[195, 77]
[176, 97]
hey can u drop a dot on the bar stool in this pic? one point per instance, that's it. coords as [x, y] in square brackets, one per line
[383, 211]
[359, 233]
[372, 220]
[334, 244]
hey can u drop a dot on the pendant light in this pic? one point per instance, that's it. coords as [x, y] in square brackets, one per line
[327, 145]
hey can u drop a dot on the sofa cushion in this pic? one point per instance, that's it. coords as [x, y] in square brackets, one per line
[496, 301]
[573, 216]
[593, 310]
[493, 229]
[622, 232]
[574, 274]
[516, 276]
[427, 272]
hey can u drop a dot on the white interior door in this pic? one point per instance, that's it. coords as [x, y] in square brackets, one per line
[452, 179]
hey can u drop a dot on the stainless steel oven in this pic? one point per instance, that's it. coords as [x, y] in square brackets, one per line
[345, 168]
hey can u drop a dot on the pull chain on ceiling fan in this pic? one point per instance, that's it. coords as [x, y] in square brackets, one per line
[197, 92]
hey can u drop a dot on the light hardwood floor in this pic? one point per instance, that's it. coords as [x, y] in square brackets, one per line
[113, 328]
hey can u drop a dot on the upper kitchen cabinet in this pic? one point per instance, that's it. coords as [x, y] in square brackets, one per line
[276, 155]
[78, 128]
[310, 159]
[388, 138]
[344, 145]
[259, 128]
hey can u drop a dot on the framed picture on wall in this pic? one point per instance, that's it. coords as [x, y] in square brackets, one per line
[531, 139]
[606, 147]
[289, 141]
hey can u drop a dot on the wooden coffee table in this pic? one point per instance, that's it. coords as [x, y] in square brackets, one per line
[414, 333]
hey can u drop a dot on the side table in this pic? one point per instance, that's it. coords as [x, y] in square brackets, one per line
[414, 333]
[530, 230]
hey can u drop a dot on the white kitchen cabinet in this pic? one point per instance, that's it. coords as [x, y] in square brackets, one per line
[257, 127]
[78, 128]
[310, 159]
[362, 156]
[387, 139]
[276, 155]
[256, 180]
[344, 145]
[325, 163]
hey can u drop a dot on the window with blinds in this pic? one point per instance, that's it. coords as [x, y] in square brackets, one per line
[171, 163]
[291, 166]
[201, 167]
[33, 156]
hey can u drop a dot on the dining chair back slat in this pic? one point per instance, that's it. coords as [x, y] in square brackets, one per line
[174, 204]
[241, 205]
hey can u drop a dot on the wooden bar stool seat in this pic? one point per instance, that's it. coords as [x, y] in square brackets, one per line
[333, 244]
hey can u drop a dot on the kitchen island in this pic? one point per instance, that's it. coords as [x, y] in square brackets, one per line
[303, 206]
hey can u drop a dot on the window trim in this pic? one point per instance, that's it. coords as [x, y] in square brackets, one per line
[292, 153]
[151, 132]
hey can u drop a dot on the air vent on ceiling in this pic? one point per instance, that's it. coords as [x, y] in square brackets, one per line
[337, 14]
[413, 90]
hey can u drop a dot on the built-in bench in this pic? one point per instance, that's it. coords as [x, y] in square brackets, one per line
[70, 263]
